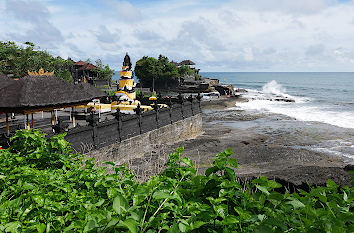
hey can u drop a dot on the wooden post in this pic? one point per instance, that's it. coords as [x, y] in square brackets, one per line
[7, 124]
[182, 111]
[192, 107]
[73, 117]
[32, 121]
[56, 116]
[53, 117]
[27, 123]
[99, 112]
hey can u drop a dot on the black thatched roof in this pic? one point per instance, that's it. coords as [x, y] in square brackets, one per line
[38, 92]
[91, 90]
[187, 63]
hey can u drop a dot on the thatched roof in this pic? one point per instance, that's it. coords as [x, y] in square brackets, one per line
[88, 66]
[187, 63]
[91, 90]
[40, 92]
[80, 63]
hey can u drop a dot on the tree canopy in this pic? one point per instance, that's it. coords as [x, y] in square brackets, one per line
[160, 71]
[103, 71]
[16, 60]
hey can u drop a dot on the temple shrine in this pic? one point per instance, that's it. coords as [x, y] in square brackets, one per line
[126, 90]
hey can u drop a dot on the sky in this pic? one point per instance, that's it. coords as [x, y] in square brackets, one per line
[229, 35]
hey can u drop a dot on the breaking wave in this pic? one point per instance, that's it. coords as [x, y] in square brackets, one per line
[274, 99]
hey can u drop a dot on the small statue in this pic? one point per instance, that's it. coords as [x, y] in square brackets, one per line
[180, 98]
[199, 97]
[127, 61]
[137, 110]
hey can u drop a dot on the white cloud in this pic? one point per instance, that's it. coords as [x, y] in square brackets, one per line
[254, 35]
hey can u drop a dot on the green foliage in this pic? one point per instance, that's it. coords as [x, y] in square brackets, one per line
[45, 187]
[17, 60]
[110, 92]
[103, 71]
[160, 71]
[185, 70]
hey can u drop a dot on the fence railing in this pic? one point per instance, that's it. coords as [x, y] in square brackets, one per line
[99, 134]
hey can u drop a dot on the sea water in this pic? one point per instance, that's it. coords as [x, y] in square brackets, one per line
[323, 107]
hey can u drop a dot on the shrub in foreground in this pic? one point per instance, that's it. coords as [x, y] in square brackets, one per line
[46, 187]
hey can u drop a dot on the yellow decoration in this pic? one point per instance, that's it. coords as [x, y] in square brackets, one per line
[129, 95]
[152, 98]
[125, 67]
[126, 73]
[40, 73]
[126, 82]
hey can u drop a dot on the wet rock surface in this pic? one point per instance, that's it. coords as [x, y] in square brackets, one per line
[277, 153]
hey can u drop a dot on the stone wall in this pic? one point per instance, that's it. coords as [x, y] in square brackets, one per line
[101, 134]
[135, 147]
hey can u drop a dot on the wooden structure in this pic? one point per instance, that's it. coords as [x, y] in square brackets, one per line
[42, 93]
[84, 71]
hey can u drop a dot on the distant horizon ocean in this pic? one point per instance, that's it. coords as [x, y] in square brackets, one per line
[324, 101]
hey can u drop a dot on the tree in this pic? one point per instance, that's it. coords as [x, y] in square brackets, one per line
[103, 71]
[147, 69]
[16, 60]
[185, 70]
[159, 71]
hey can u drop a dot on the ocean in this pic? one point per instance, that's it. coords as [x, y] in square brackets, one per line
[323, 111]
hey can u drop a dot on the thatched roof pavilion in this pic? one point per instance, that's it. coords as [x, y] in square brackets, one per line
[37, 93]
[187, 63]
[88, 88]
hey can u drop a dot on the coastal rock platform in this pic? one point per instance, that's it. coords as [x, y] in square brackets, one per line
[279, 154]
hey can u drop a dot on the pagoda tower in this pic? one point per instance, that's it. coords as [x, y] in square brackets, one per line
[126, 90]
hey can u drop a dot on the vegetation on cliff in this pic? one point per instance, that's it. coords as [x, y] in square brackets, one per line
[16, 60]
[46, 187]
[159, 72]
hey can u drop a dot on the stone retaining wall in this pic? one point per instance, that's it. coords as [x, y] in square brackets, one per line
[135, 147]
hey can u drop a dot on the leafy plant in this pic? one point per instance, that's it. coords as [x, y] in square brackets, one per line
[46, 187]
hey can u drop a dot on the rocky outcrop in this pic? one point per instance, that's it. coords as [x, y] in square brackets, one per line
[189, 84]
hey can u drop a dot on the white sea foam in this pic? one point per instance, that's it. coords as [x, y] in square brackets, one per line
[274, 88]
[302, 109]
[335, 147]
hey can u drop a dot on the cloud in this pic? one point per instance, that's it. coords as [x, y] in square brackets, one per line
[32, 11]
[41, 31]
[123, 10]
[287, 6]
[147, 35]
[106, 36]
[234, 35]
[315, 50]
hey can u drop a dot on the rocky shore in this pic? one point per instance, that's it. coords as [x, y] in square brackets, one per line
[260, 152]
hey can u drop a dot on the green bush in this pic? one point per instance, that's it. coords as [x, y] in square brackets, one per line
[46, 187]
